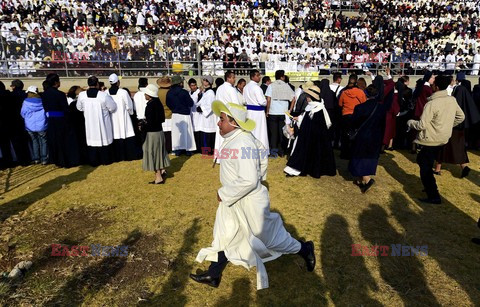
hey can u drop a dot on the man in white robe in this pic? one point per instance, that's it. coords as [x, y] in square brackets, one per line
[195, 94]
[97, 107]
[208, 120]
[246, 233]
[139, 101]
[226, 93]
[256, 103]
[123, 133]
[180, 102]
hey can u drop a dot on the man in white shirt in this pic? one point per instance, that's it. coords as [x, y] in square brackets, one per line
[280, 98]
[335, 86]
[256, 104]
[226, 93]
[97, 107]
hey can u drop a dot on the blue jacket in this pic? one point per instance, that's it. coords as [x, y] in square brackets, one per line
[179, 100]
[34, 115]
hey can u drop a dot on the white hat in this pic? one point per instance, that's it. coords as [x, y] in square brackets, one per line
[151, 90]
[113, 78]
[32, 89]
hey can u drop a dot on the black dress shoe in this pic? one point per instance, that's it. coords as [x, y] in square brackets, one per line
[465, 171]
[367, 185]
[309, 256]
[154, 182]
[206, 279]
[435, 201]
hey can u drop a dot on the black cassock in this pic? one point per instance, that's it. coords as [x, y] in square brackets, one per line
[313, 153]
[61, 138]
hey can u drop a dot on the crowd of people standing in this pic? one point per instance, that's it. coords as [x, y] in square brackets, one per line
[304, 124]
[441, 35]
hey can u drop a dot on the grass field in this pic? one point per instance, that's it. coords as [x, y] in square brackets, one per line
[164, 227]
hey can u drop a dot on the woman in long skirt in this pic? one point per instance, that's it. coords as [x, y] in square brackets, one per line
[155, 156]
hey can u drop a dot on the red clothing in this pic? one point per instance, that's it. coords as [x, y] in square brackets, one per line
[422, 101]
[391, 121]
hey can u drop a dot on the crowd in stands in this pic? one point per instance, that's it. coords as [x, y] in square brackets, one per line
[439, 35]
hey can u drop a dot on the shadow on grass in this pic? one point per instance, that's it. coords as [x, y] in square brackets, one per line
[176, 165]
[20, 204]
[16, 177]
[474, 176]
[444, 228]
[240, 294]
[404, 274]
[93, 278]
[41, 262]
[347, 279]
[179, 276]
[289, 281]
[342, 167]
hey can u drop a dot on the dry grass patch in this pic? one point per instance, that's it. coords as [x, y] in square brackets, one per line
[166, 225]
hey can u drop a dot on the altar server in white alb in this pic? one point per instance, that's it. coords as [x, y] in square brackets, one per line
[207, 121]
[256, 103]
[226, 93]
[97, 107]
[245, 233]
[196, 95]
[123, 134]
[180, 102]
[139, 101]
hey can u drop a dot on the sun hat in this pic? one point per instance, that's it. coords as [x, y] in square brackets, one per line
[151, 90]
[236, 111]
[313, 91]
[164, 82]
[32, 89]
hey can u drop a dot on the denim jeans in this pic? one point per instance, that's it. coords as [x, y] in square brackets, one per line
[39, 146]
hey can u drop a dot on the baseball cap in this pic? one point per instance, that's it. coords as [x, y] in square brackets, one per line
[113, 78]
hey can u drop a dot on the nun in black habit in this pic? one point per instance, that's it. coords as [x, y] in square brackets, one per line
[369, 119]
[312, 152]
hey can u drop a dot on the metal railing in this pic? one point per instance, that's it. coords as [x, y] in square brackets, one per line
[303, 71]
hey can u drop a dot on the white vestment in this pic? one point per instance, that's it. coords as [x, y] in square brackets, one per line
[245, 229]
[182, 133]
[140, 103]
[122, 123]
[196, 116]
[225, 93]
[254, 97]
[98, 120]
[207, 121]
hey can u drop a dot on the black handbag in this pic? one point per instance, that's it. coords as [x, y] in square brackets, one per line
[352, 134]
